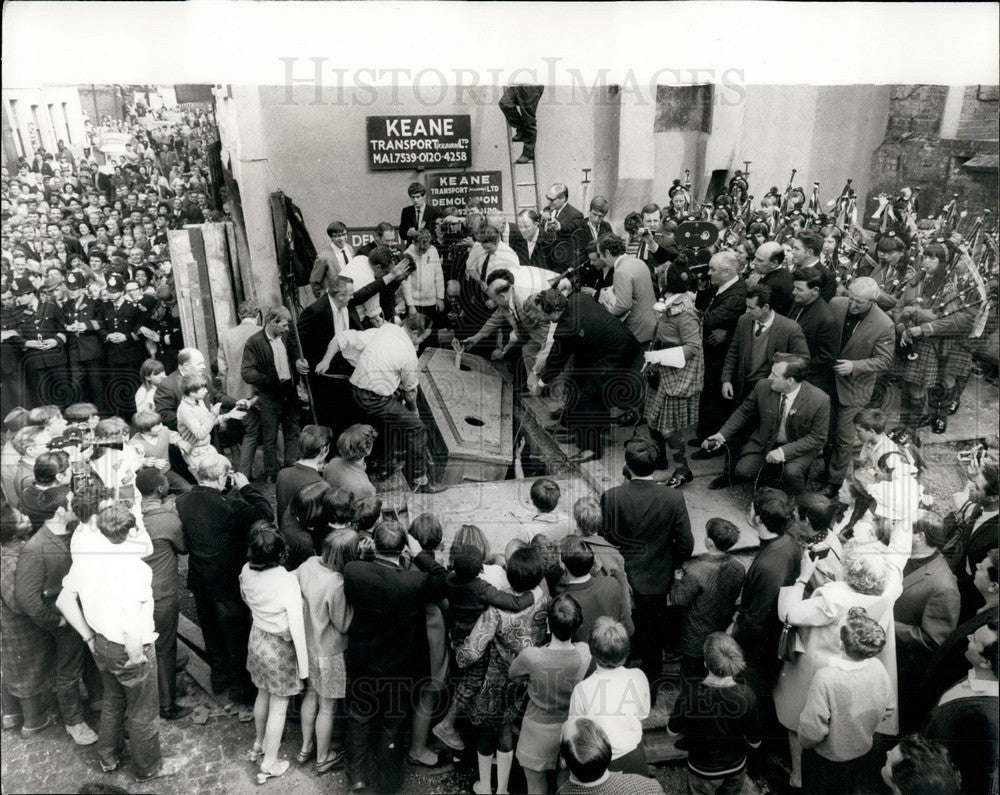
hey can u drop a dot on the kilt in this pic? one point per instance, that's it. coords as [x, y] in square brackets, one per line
[27, 655]
[272, 664]
[937, 358]
[674, 404]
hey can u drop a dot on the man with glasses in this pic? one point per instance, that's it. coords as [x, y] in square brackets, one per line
[331, 260]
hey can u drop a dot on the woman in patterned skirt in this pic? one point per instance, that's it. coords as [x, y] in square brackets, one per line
[672, 393]
[277, 658]
[933, 320]
[503, 635]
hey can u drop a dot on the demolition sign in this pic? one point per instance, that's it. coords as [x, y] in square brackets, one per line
[457, 189]
[417, 142]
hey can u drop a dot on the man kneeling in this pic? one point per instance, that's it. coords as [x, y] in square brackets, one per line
[790, 420]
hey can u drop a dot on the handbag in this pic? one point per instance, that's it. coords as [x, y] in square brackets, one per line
[786, 643]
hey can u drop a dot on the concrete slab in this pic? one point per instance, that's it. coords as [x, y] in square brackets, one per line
[472, 410]
[501, 510]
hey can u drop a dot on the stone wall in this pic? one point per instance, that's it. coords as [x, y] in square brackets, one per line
[914, 154]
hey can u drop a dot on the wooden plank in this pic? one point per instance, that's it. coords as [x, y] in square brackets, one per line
[220, 281]
[239, 263]
[202, 287]
[196, 668]
[189, 299]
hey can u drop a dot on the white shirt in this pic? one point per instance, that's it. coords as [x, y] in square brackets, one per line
[388, 362]
[343, 255]
[531, 245]
[727, 285]
[617, 700]
[341, 318]
[504, 257]
[359, 270]
[280, 357]
[116, 594]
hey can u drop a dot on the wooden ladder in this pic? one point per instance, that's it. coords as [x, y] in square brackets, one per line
[522, 177]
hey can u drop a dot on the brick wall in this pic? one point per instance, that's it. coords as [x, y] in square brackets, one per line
[913, 154]
[979, 120]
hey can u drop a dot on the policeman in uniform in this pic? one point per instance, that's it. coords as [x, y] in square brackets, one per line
[119, 322]
[12, 393]
[42, 344]
[84, 346]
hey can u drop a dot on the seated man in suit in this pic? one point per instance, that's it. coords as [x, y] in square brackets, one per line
[760, 334]
[190, 361]
[332, 259]
[790, 421]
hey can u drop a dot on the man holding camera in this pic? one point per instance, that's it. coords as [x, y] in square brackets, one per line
[216, 516]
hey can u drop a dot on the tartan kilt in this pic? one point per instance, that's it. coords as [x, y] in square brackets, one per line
[937, 358]
[27, 655]
[674, 404]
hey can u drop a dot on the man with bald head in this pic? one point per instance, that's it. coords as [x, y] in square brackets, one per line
[721, 305]
[190, 361]
[867, 343]
[769, 269]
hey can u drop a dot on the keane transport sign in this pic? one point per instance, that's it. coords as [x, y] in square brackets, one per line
[418, 142]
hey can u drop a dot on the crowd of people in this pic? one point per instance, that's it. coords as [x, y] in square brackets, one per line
[865, 615]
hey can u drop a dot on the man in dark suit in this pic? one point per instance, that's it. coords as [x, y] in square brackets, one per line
[925, 613]
[563, 219]
[272, 365]
[760, 334]
[790, 421]
[387, 652]
[774, 566]
[603, 351]
[768, 268]
[527, 244]
[978, 535]
[419, 215]
[314, 444]
[592, 228]
[867, 340]
[318, 324]
[649, 523]
[813, 315]
[216, 519]
[721, 305]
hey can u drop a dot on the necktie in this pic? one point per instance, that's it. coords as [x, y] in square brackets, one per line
[486, 263]
[343, 253]
[758, 328]
[781, 435]
[418, 218]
